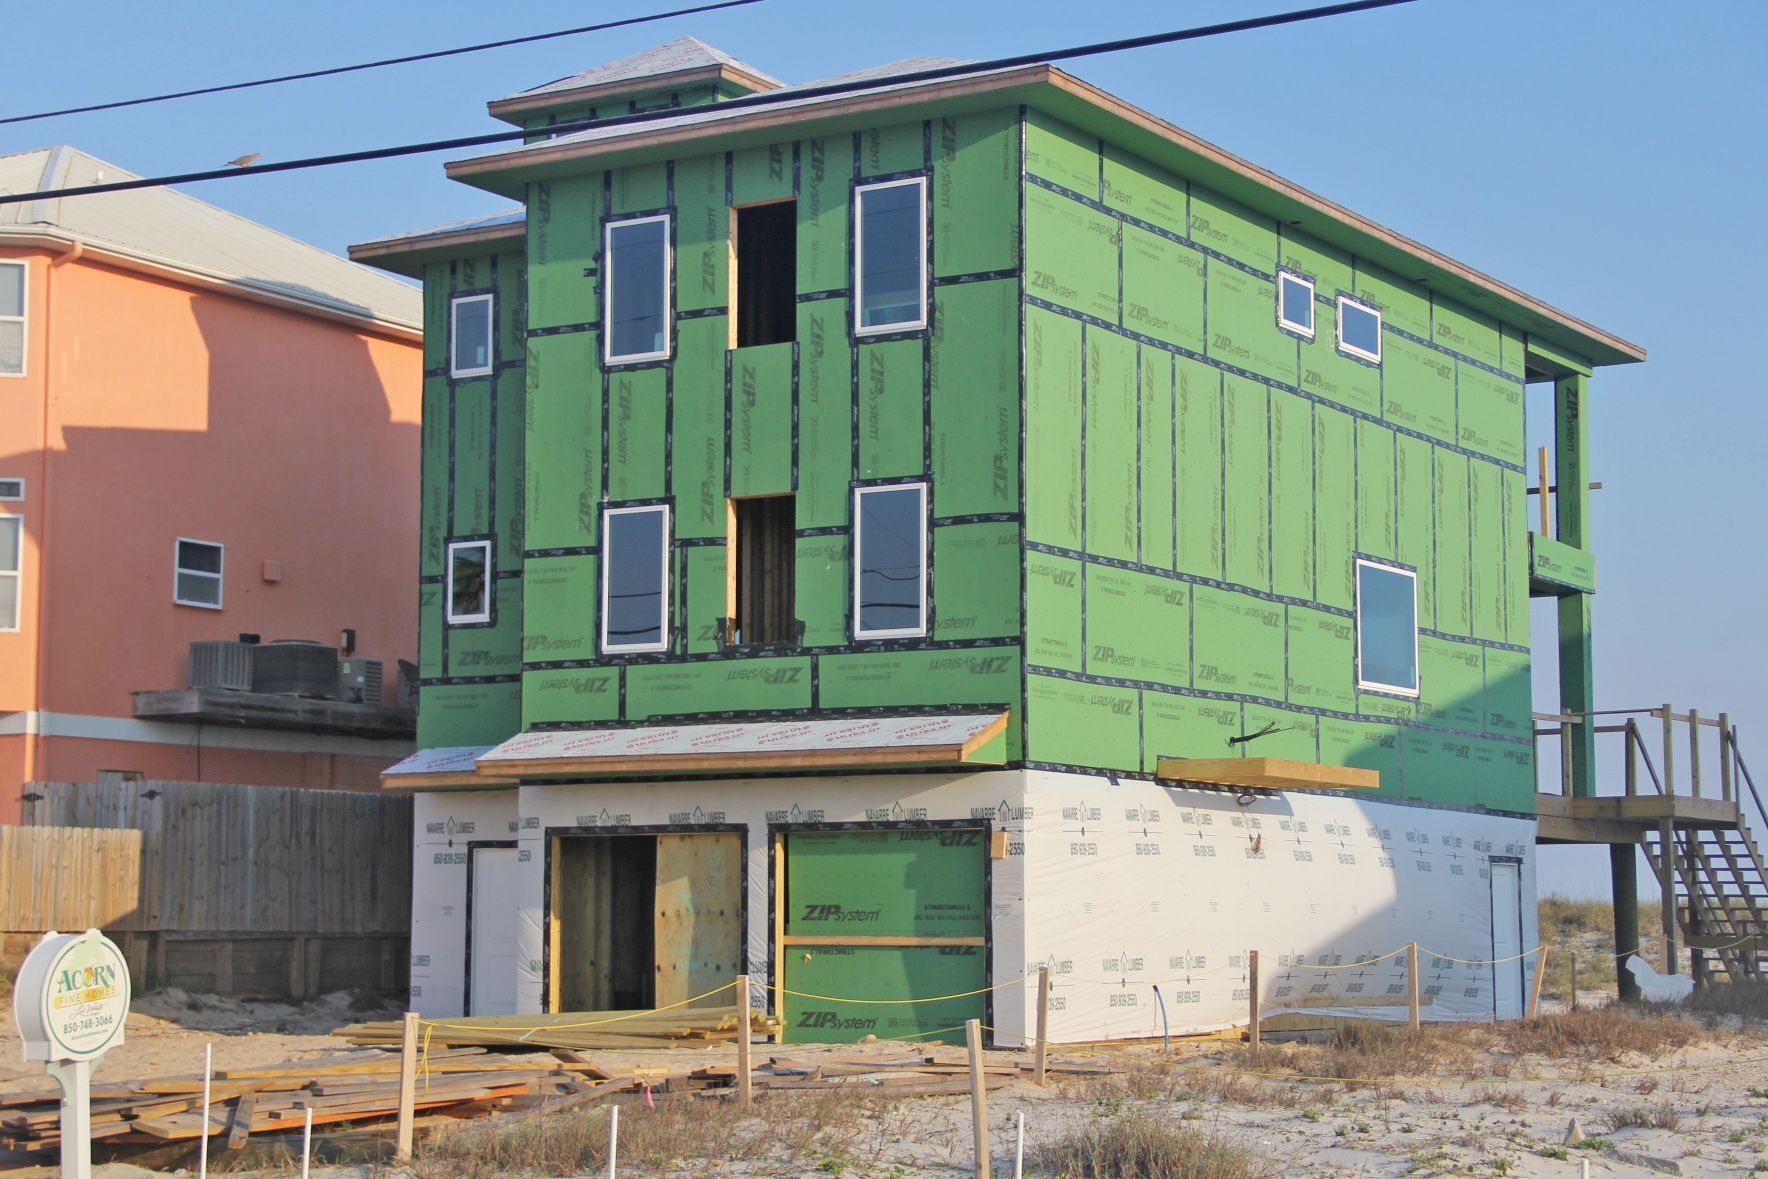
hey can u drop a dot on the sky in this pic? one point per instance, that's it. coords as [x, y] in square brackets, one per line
[1607, 156]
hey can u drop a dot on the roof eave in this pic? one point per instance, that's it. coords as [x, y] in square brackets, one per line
[516, 106]
[408, 256]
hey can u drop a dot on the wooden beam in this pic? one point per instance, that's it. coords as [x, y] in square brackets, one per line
[1266, 773]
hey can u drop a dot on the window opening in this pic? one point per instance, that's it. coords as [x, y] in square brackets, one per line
[890, 561]
[12, 535]
[636, 315]
[470, 336]
[1359, 329]
[890, 256]
[1295, 303]
[635, 579]
[12, 319]
[1387, 628]
[197, 573]
[469, 581]
[761, 600]
[766, 281]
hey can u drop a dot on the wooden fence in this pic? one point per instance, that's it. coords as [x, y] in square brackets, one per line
[252, 890]
[68, 878]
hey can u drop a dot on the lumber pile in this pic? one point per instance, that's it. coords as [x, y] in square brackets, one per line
[903, 1076]
[682, 1026]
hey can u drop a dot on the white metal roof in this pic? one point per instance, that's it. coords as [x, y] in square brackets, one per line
[684, 53]
[167, 228]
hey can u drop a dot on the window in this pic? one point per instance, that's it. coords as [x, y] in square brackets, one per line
[635, 579]
[760, 592]
[12, 539]
[636, 258]
[470, 336]
[1387, 628]
[12, 490]
[1295, 303]
[1359, 329]
[12, 319]
[766, 280]
[197, 576]
[890, 256]
[890, 561]
[469, 581]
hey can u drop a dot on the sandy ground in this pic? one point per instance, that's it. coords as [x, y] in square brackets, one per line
[1710, 1103]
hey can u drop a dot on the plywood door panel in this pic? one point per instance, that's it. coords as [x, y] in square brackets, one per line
[699, 907]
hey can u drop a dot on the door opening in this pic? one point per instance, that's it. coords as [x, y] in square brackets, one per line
[765, 252]
[1507, 947]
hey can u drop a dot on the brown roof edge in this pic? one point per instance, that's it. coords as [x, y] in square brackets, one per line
[378, 253]
[516, 105]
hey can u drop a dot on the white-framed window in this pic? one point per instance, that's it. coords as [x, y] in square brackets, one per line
[196, 573]
[1359, 329]
[890, 561]
[1295, 304]
[635, 579]
[635, 266]
[890, 256]
[470, 325]
[13, 292]
[12, 490]
[1387, 628]
[12, 555]
[469, 581]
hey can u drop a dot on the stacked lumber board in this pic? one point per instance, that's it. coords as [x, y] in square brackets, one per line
[357, 1087]
[904, 1076]
[685, 1026]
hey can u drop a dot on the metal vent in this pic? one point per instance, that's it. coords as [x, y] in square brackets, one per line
[360, 680]
[12, 489]
[221, 665]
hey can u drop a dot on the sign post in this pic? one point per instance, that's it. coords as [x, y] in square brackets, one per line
[70, 1001]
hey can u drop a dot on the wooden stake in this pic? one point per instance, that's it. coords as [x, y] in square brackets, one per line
[1535, 991]
[978, 1096]
[1039, 1056]
[407, 1083]
[1412, 984]
[1252, 1031]
[745, 1093]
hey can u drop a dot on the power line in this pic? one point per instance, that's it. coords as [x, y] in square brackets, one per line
[754, 100]
[375, 65]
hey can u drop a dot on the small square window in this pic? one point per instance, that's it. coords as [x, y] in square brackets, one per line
[470, 336]
[890, 256]
[890, 561]
[1359, 329]
[469, 581]
[12, 490]
[635, 579]
[197, 573]
[12, 539]
[1295, 304]
[1387, 628]
[12, 319]
[635, 267]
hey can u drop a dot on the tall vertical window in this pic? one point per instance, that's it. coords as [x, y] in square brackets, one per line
[1295, 304]
[197, 573]
[890, 256]
[12, 543]
[1359, 329]
[12, 319]
[1387, 628]
[469, 581]
[635, 579]
[890, 561]
[764, 307]
[763, 571]
[635, 261]
[469, 336]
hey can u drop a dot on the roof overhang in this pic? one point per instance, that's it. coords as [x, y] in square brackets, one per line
[518, 106]
[1265, 773]
[1089, 109]
[748, 747]
[445, 768]
[408, 255]
[79, 247]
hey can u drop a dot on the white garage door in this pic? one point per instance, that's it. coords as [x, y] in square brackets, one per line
[491, 987]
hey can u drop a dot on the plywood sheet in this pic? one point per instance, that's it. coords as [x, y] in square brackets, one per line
[699, 907]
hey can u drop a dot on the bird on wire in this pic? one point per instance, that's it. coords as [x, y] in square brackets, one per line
[244, 161]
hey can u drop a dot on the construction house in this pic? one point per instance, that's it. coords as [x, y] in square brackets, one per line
[209, 433]
[889, 535]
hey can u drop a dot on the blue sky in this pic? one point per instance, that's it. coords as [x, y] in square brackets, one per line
[1607, 157]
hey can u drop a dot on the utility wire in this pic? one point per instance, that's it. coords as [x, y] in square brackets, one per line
[754, 100]
[375, 65]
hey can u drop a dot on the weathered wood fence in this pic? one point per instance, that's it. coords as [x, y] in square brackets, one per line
[247, 890]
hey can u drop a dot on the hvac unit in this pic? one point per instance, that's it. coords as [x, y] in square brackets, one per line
[296, 667]
[359, 680]
[221, 665]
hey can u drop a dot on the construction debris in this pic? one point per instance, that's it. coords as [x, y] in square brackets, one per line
[574, 1029]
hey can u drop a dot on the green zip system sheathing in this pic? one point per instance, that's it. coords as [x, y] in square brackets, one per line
[1201, 481]
[473, 427]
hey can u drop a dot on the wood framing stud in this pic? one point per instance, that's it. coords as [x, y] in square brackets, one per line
[745, 1026]
[407, 1083]
[978, 1096]
[1412, 1003]
[1252, 1017]
[1040, 1052]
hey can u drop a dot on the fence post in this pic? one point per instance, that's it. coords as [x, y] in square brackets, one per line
[1725, 756]
[1252, 1016]
[1669, 750]
[978, 1097]
[1667, 886]
[1694, 750]
[1540, 973]
[1412, 1000]
[745, 1025]
[1632, 739]
[407, 1083]
[1039, 1059]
